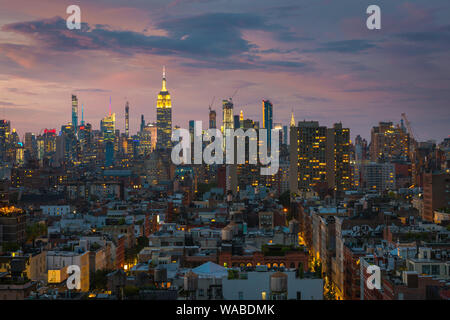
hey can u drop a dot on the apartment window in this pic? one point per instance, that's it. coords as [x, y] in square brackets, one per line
[299, 295]
[201, 293]
[426, 269]
[435, 270]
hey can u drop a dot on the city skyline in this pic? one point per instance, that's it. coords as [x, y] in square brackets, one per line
[224, 155]
[329, 70]
[75, 114]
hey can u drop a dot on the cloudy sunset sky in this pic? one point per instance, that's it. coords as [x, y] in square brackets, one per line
[315, 57]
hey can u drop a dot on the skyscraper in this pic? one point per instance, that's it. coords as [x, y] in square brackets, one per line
[389, 142]
[5, 130]
[267, 119]
[142, 123]
[127, 119]
[49, 141]
[228, 119]
[108, 128]
[307, 155]
[279, 126]
[338, 158]
[211, 169]
[237, 122]
[75, 111]
[30, 145]
[361, 149]
[164, 116]
[285, 135]
[212, 119]
[68, 139]
[249, 173]
[148, 139]
[84, 139]
[82, 115]
[292, 120]
[191, 129]
[241, 119]
[228, 123]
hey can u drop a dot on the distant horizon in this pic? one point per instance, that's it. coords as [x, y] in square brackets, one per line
[120, 120]
[324, 64]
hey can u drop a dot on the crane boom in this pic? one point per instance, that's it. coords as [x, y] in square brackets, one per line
[410, 131]
[408, 125]
[234, 93]
[212, 102]
[416, 160]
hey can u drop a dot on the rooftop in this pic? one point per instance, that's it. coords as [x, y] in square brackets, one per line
[10, 211]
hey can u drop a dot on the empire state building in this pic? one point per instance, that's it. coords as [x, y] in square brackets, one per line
[164, 117]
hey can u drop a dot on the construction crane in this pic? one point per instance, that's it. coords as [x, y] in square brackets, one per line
[411, 134]
[234, 93]
[408, 126]
[416, 160]
[212, 102]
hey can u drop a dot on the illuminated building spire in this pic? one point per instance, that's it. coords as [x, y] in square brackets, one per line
[164, 79]
[241, 116]
[127, 119]
[74, 111]
[82, 114]
[164, 117]
[292, 119]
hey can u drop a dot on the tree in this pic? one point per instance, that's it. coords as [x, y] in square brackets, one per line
[300, 271]
[130, 291]
[391, 195]
[142, 242]
[317, 268]
[100, 279]
[94, 247]
[330, 291]
[10, 246]
[233, 274]
[131, 254]
[35, 230]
